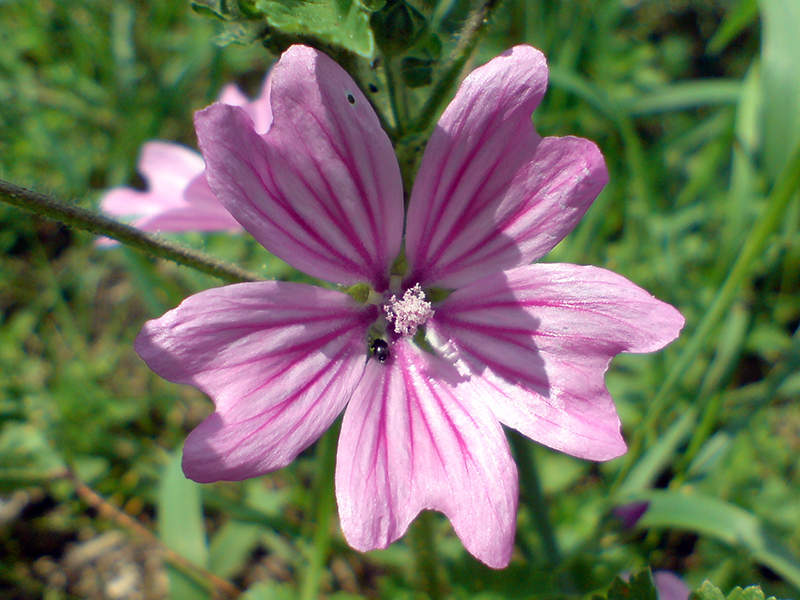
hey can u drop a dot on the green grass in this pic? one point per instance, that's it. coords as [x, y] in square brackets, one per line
[696, 106]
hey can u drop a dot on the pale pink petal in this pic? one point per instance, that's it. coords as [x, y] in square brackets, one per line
[411, 441]
[280, 360]
[167, 169]
[128, 202]
[321, 189]
[259, 109]
[189, 218]
[200, 210]
[232, 95]
[539, 339]
[490, 193]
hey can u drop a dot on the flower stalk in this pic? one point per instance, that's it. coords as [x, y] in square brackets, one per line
[532, 496]
[323, 509]
[426, 557]
[441, 90]
[86, 220]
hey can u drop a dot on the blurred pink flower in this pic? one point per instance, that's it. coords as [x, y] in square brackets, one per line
[178, 197]
[630, 513]
[506, 341]
[670, 586]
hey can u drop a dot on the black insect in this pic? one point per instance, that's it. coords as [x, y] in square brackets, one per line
[351, 99]
[380, 350]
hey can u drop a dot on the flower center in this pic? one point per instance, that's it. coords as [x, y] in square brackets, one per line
[409, 312]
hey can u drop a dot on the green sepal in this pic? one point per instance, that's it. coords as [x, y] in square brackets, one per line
[434, 295]
[418, 67]
[397, 27]
[359, 292]
[417, 72]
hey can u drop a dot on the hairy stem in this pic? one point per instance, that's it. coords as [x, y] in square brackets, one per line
[440, 92]
[80, 218]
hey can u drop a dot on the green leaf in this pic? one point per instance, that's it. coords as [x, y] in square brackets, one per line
[737, 19]
[270, 591]
[373, 5]
[658, 457]
[343, 23]
[638, 587]
[416, 72]
[181, 528]
[232, 546]
[239, 32]
[26, 457]
[685, 96]
[752, 592]
[723, 521]
[780, 49]
[708, 591]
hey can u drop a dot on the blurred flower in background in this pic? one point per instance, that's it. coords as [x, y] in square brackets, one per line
[178, 197]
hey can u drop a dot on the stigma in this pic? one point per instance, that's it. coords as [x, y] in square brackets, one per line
[408, 313]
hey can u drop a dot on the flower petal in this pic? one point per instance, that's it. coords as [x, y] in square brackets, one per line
[280, 360]
[409, 442]
[167, 169]
[670, 586]
[491, 194]
[322, 188]
[540, 337]
[259, 109]
[233, 96]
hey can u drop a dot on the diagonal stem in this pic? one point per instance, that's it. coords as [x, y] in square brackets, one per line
[80, 218]
[323, 509]
[440, 92]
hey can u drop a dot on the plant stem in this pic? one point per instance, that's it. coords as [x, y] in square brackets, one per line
[396, 100]
[427, 567]
[323, 511]
[768, 222]
[440, 92]
[105, 509]
[532, 496]
[80, 218]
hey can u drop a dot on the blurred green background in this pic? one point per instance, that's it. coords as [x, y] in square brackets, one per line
[696, 106]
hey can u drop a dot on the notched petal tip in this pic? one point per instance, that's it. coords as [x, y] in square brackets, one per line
[411, 441]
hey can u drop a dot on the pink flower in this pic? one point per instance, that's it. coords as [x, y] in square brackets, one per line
[670, 586]
[178, 198]
[505, 341]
